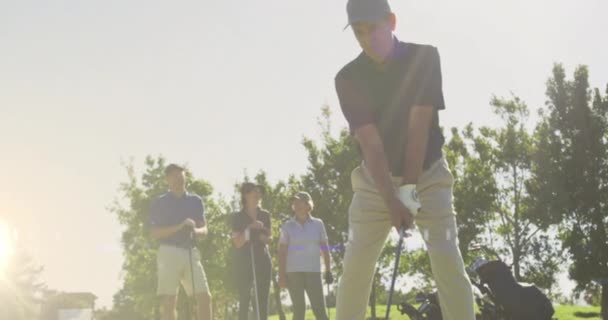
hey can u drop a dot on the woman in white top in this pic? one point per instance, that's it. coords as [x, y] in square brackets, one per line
[303, 240]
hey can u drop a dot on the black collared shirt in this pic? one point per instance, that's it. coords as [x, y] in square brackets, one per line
[240, 221]
[370, 94]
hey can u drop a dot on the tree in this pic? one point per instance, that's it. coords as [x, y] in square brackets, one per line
[520, 226]
[475, 189]
[327, 178]
[494, 198]
[572, 170]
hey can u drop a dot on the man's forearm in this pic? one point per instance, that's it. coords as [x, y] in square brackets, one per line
[201, 231]
[414, 159]
[377, 165]
[416, 146]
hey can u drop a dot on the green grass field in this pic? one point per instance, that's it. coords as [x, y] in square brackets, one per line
[573, 312]
[561, 313]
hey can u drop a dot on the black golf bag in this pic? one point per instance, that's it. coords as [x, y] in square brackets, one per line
[517, 301]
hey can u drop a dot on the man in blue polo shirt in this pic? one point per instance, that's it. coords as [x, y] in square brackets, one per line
[176, 218]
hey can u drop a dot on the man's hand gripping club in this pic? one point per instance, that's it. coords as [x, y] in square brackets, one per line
[404, 207]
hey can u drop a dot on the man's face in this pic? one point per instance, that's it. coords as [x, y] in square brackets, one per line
[176, 180]
[375, 38]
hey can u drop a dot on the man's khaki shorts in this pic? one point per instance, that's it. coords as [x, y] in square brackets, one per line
[174, 268]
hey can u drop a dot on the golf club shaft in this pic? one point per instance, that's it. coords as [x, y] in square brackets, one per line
[394, 278]
[194, 305]
[327, 302]
[255, 282]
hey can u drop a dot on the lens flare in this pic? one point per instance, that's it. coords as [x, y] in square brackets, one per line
[6, 247]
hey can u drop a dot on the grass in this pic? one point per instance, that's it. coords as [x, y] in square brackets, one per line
[561, 313]
[574, 312]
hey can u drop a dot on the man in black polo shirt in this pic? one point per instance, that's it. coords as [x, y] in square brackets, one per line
[390, 95]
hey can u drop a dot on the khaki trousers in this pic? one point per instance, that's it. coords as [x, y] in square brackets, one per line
[369, 226]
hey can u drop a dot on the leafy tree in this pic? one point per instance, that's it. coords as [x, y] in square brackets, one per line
[521, 227]
[572, 171]
[327, 178]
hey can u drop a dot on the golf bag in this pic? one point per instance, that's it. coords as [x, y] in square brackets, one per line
[429, 308]
[517, 301]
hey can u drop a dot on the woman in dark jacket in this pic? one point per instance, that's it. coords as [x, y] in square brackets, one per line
[251, 234]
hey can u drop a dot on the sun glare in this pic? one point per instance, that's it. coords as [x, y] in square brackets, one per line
[5, 246]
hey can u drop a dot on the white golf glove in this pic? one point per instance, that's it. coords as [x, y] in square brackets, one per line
[409, 197]
[247, 234]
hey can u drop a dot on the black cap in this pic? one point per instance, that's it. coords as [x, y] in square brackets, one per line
[366, 11]
[247, 187]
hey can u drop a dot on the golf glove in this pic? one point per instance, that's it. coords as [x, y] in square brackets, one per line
[409, 197]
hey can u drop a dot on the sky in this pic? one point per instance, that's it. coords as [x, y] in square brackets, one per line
[224, 87]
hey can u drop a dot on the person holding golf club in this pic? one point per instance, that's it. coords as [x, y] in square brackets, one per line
[251, 234]
[176, 219]
[302, 242]
[390, 95]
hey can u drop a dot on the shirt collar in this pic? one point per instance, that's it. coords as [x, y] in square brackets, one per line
[399, 50]
[172, 195]
[258, 210]
[308, 220]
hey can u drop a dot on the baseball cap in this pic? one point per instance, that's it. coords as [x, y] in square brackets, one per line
[366, 11]
[304, 196]
[247, 187]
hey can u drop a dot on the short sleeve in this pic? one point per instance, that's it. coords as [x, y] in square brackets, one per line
[201, 210]
[236, 223]
[324, 238]
[355, 104]
[267, 221]
[284, 236]
[155, 217]
[430, 92]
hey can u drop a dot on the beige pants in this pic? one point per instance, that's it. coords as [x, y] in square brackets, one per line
[174, 268]
[369, 226]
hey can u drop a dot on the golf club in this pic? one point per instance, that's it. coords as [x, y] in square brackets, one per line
[327, 301]
[194, 304]
[402, 235]
[255, 282]
[277, 295]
